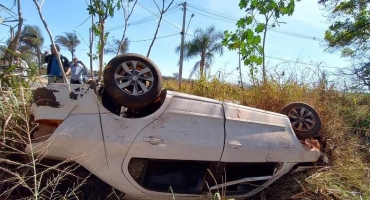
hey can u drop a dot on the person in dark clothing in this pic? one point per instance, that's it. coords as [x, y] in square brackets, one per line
[53, 69]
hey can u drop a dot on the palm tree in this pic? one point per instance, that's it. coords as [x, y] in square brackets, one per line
[31, 38]
[114, 45]
[204, 45]
[70, 41]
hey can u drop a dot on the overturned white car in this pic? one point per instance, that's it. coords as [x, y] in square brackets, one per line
[152, 144]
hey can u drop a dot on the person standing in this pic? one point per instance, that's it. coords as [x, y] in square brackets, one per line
[53, 68]
[76, 72]
[21, 63]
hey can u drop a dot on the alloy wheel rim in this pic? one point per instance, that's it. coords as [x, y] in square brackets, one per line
[302, 119]
[134, 78]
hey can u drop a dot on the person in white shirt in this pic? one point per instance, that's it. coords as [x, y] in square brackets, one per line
[21, 63]
[77, 71]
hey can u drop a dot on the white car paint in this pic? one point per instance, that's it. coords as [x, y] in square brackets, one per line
[185, 127]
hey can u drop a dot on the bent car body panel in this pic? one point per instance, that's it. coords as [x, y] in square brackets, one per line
[187, 130]
[119, 133]
[254, 135]
[79, 139]
[55, 102]
[185, 127]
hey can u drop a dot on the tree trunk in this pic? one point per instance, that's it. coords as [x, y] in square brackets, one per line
[263, 53]
[52, 43]
[202, 63]
[127, 17]
[155, 34]
[101, 50]
[240, 71]
[38, 53]
[162, 11]
[13, 45]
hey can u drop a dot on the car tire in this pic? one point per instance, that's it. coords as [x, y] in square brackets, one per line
[132, 80]
[304, 120]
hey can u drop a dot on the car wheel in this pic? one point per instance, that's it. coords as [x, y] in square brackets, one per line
[304, 119]
[132, 80]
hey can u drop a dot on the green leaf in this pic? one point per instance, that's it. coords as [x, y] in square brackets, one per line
[259, 60]
[249, 20]
[260, 28]
[243, 3]
[254, 3]
[247, 35]
[272, 5]
[256, 40]
[241, 22]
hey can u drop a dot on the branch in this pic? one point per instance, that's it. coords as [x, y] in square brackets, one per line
[158, 6]
[52, 42]
[346, 34]
[159, 23]
[42, 2]
[126, 20]
[168, 6]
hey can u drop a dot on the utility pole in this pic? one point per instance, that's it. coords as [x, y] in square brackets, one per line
[240, 72]
[91, 34]
[90, 52]
[182, 45]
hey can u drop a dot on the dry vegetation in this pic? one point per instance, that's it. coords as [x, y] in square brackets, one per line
[346, 128]
[345, 117]
[24, 176]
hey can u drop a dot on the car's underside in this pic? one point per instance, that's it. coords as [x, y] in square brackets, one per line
[174, 142]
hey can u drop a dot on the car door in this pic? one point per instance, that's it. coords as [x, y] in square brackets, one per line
[257, 144]
[189, 133]
[254, 135]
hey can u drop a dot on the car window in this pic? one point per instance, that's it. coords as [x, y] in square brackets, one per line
[199, 177]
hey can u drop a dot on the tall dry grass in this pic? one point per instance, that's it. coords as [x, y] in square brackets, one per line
[32, 176]
[345, 118]
[345, 127]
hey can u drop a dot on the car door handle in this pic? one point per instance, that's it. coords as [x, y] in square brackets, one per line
[152, 140]
[234, 144]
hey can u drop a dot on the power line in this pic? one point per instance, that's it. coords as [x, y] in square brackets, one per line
[84, 21]
[142, 21]
[211, 17]
[82, 38]
[297, 35]
[154, 16]
[227, 18]
[158, 16]
[150, 18]
[166, 36]
[292, 61]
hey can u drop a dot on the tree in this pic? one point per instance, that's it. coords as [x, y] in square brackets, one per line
[162, 11]
[32, 38]
[127, 12]
[102, 9]
[70, 41]
[38, 7]
[205, 44]
[115, 44]
[247, 37]
[13, 44]
[349, 33]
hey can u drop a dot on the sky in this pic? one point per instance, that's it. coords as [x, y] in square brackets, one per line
[297, 39]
